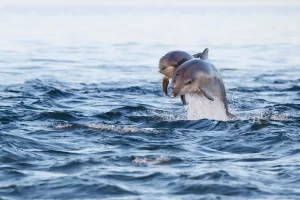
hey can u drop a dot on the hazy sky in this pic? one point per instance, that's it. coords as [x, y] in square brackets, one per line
[81, 2]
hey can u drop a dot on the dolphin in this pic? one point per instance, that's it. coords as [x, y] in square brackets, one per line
[171, 61]
[199, 76]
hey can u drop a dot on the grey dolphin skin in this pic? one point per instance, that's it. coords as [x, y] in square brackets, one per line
[171, 61]
[203, 55]
[199, 76]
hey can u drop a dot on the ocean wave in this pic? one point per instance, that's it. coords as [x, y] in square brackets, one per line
[237, 190]
[56, 115]
[219, 175]
[56, 93]
[256, 89]
[81, 186]
[134, 90]
[137, 114]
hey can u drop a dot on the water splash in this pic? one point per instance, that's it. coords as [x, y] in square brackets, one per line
[199, 107]
[267, 112]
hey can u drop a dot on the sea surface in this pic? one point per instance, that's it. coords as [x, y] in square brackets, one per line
[83, 115]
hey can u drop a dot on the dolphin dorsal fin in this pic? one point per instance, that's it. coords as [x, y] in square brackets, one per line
[204, 55]
[197, 55]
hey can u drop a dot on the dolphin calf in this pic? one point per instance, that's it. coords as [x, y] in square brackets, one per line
[171, 61]
[199, 76]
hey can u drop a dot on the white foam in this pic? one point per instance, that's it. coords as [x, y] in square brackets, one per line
[62, 126]
[146, 161]
[120, 128]
[266, 115]
[165, 116]
[199, 107]
[108, 127]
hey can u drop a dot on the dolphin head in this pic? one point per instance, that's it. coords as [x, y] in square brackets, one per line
[171, 61]
[181, 85]
[166, 66]
[187, 78]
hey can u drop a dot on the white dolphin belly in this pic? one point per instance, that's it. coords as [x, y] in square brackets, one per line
[199, 107]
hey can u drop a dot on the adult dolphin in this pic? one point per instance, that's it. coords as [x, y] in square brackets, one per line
[199, 76]
[171, 61]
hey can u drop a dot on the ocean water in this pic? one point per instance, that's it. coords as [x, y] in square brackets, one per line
[83, 115]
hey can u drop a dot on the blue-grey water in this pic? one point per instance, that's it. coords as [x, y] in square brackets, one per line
[83, 115]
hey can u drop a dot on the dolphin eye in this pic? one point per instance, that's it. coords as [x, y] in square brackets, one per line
[188, 82]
